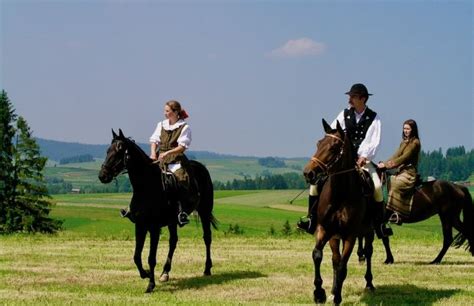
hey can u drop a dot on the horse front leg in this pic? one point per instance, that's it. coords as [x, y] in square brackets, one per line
[319, 293]
[154, 239]
[336, 259]
[341, 270]
[447, 240]
[173, 241]
[140, 236]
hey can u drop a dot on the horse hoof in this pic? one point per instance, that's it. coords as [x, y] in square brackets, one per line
[388, 261]
[320, 296]
[336, 301]
[370, 288]
[435, 262]
[150, 288]
[164, 277]
[361, 259]
[207, 273]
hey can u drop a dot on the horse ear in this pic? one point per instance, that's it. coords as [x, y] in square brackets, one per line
[327, 127]
[339, 128]
[121, 134]
[113, 134]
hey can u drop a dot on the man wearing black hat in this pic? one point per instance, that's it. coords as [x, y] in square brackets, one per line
[364, 129]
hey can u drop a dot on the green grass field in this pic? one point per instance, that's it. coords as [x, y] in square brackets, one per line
[90, 262]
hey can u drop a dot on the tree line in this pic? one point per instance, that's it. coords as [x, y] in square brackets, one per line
[456, 165]
[24, 197]
[83, 158]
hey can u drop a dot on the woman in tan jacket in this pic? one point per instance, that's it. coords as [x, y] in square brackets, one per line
[402, 183]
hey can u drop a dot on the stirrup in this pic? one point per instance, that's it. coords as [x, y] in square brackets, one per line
[395, 218]
[183, 218]
[383, 230]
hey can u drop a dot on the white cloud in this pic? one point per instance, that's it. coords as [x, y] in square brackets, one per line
[298, 48]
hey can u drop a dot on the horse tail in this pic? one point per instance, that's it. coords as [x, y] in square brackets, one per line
[207, 193]
[214, 222]
[468, 223]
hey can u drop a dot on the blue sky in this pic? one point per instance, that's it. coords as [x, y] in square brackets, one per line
[256, 77]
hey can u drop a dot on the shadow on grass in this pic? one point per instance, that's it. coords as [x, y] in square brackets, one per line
[215, 279]
[406, 295]
[427, 263]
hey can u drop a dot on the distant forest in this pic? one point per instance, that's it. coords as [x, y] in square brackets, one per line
[456, 165]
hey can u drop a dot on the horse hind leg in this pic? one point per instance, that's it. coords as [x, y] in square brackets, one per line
[207, 237]
[388, 252]
[360, 249]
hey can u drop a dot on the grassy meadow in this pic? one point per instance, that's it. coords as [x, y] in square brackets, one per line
[264, 262]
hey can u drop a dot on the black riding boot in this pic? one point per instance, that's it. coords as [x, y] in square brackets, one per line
[308, 223]
[380, 224]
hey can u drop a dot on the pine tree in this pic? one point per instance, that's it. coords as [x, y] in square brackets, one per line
[7, 132]
[24, 196]
[32, 205]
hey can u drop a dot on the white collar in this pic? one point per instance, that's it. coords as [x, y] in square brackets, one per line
[166, 124]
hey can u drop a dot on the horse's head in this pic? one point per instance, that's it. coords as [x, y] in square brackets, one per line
[329, 151]
[115, 161]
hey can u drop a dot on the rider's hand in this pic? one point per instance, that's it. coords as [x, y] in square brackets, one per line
[361, 161]
[162, 156]
[153, 156]
[381, 165]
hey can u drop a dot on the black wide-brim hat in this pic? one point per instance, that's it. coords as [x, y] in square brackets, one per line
[358, 89]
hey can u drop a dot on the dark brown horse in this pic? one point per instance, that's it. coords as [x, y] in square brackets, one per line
[153, 207]
[448, 200]
[343, 212]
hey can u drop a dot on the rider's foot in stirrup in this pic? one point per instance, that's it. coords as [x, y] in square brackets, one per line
[305, 225]
[183, 218]
[384, 231]
[124, 212]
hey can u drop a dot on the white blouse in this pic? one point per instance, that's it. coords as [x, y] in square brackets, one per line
[183, 140]
[368, 147]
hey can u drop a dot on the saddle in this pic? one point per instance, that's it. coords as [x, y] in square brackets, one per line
[169, 181]
[367, 183]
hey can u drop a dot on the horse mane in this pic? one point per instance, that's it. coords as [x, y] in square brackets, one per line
[142, 153]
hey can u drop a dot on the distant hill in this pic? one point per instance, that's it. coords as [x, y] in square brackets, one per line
[57, 150]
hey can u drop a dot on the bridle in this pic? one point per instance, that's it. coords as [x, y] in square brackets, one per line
[115, 167]
[327, 166]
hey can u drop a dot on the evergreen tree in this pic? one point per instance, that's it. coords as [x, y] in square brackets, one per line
[24, 198]
[7, 132]
[32, 205]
